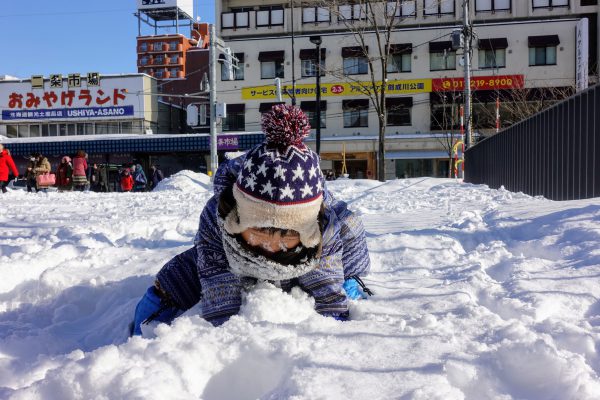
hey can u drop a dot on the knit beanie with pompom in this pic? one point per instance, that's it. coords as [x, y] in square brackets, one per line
[280, 184]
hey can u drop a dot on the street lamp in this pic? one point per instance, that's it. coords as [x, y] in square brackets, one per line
[316, 40]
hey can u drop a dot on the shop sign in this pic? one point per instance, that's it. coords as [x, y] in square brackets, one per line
[186, 6]
[338, 89]
[227, 142]
[65, 98]
[479, 83]
[66, 113]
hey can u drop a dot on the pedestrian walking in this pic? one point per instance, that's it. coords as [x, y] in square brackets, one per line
[139, 178]
[64, 175]
[156, 176]
[126, 181]
[41, 172]
[79, 171]
[7, 165]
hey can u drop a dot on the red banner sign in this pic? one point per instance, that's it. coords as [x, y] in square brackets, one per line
[479, 83]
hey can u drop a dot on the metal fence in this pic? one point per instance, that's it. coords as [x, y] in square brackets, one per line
[555, 153]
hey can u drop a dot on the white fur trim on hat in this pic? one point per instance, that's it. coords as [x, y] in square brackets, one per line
[255, 213]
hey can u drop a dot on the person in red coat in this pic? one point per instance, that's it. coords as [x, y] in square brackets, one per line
[126, 181]
[6, 165]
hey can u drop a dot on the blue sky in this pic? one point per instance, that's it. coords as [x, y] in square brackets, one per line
[73, 36]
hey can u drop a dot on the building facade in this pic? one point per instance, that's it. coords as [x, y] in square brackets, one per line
[521, 50]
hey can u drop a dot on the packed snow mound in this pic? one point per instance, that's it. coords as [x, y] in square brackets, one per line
[186, 181]
[480, 294]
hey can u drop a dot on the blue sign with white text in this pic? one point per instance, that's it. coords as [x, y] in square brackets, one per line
[84, 112]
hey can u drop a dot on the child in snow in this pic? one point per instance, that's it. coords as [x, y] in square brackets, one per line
[126, 181]
[271, 218]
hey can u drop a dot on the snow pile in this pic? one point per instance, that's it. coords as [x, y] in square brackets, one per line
[480, 294]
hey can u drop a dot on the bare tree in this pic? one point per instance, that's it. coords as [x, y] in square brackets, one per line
[445, 116]
[369, 22]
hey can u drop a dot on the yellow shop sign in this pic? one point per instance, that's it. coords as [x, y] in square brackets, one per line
[337, 89]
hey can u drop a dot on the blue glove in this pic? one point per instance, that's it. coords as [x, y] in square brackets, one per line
[152, 308]
[353, 290]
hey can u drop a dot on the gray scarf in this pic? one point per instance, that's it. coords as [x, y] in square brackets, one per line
[243, 262]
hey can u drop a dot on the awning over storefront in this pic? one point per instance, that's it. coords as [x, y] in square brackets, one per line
[415, 155]
[543, 41]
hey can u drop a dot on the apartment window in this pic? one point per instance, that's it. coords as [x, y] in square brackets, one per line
[266, 107]
[492, 5]
[271, 64]
[400, 58]
[492, 53]
[352, 12]
[238, 73]
[355, 60]
[550, 3]
[438, 7]
[542, 50]
[173, 46]
[159, 74]
[310, 109]
[174, 59]
[237, 18]
[589, 2]
[398, 111]
[315, 15]
[445, 115]
[308, 62]
[157, 46]
[356, 113]
[236, 118]
[144, 46]
[269, 16]
[174, 72]
[441, 56]
[159, 60]
[144, 60]
[405, 8]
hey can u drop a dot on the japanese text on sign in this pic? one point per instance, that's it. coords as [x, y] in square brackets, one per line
[66, 98]
[228, 142]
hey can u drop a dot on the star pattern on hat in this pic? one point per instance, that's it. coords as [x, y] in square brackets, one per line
[287, 191]
[319, 186]
[280, 172]
[312, 172]
[306, 190]
[268, 188]
[262, 169]
[248, 164]
[298, 173]
[251, 182]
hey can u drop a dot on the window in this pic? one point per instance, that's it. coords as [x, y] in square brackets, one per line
[12, 131]
[173, 46]
[356, 113]
[542, 50]
[238, 73]
[550, 3]
[492, 58]
[174, 72]
[269, 16]
[400, 58]
[355, 60]
[352, 12]
[271, 64]
[236, 118]
[34, 131]
[266, 107]
[310, 109]
[441, 56]
[157, 46]
[445, 116]
[159, 60]
[315, 15]
[398, 111]
[308, 62]
[144, 60]
[492, 53]
[86, 129]
[406, 8]
[174, 59]
[438, 7]
[144, 46]
[492, 5]
[159, 74]
[237, 18]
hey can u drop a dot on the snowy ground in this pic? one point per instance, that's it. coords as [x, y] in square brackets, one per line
[480, 294]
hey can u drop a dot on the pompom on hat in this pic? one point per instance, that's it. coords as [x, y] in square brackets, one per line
[280, 184]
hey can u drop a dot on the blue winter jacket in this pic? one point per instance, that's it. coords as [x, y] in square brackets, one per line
[209, 280]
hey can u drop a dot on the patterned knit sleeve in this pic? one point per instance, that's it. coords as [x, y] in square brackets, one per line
[355, 257]
[221, 290]
[325, 282]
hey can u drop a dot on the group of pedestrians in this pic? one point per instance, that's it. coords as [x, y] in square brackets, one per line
[134, 179]
[75, 174]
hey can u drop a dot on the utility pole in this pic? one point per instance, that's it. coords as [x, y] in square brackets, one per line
[467, 34]
[212, 65]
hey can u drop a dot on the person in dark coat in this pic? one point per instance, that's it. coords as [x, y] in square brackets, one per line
[64, 175]
[139, 178]
[156, 176]
[271, 219]
[7, 165]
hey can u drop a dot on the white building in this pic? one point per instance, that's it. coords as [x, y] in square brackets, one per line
[529, 44]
